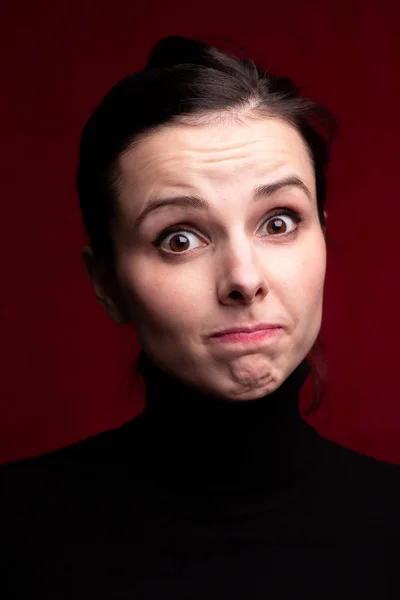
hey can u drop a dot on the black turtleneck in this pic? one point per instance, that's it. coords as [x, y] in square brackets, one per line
[202, 498]
[199, 443]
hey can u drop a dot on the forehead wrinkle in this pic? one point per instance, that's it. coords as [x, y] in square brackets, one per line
[167, 169]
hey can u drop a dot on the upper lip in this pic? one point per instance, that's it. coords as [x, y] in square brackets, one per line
[247, 328]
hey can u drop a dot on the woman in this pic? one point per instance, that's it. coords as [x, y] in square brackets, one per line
[202, 188]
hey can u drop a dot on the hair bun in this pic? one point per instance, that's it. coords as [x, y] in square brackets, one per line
[174, 50]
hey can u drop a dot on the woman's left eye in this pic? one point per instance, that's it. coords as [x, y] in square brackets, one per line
[282, 224]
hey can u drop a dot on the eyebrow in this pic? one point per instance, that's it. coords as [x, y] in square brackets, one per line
[200, 203]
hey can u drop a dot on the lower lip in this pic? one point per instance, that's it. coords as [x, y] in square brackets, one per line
[245, 336]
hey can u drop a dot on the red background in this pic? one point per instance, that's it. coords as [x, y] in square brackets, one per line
[65, 367]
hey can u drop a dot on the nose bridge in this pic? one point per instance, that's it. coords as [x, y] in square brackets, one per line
[241, 269]
[240, 252]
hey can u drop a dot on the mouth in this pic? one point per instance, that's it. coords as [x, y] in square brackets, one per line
[247, 329]
[255, 333]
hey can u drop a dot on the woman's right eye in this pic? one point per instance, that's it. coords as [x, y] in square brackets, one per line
[176, 241]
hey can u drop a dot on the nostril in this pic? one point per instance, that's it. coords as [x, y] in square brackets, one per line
[235, 295]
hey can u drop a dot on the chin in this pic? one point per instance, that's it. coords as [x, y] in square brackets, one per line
[248, 391]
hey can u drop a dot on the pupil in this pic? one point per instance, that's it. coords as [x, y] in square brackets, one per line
[277, 225]
[179, 242]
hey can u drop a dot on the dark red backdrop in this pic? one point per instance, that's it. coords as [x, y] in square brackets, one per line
[64, 365]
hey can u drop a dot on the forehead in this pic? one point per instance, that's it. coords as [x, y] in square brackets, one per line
[214, 153]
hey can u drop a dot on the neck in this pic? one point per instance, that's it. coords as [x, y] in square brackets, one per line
[194, 441]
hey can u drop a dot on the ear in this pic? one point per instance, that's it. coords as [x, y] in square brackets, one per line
[325, 226]
[104, 286]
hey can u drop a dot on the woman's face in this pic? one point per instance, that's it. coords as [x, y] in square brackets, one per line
[239, 254]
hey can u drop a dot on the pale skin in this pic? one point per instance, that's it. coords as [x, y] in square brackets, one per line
[240, 261]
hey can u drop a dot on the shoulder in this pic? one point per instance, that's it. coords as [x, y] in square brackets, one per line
[365, 486]
[76, 467]
[352, 463]
[62, 511]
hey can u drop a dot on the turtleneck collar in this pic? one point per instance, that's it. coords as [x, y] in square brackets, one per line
[196, 442]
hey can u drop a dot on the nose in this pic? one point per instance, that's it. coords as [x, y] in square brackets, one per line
[243, 280]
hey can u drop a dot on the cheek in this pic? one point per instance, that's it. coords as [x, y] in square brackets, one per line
[311, 283]
[300, 277]
[166, 298]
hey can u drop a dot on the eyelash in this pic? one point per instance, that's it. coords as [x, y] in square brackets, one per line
[161, 235]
